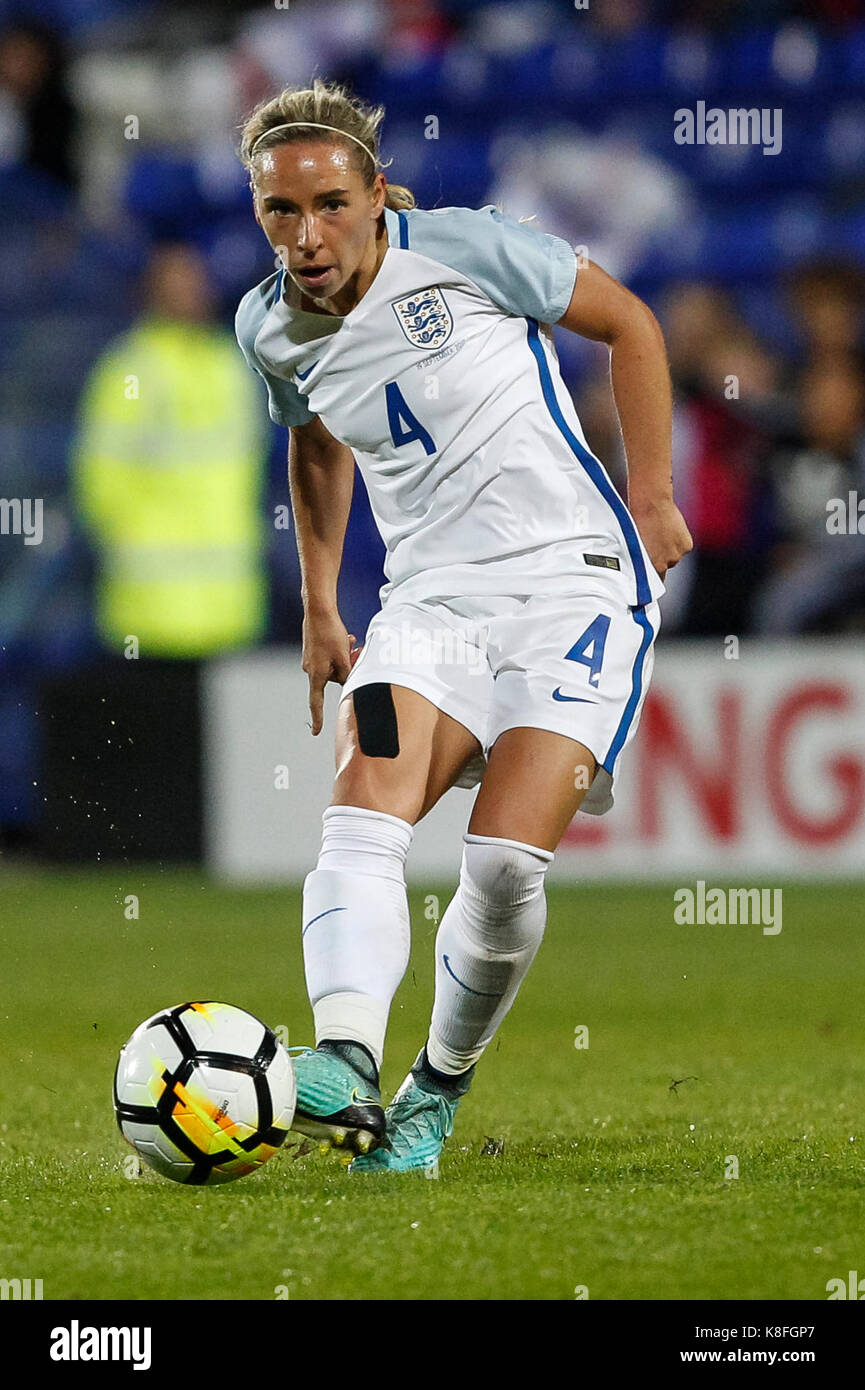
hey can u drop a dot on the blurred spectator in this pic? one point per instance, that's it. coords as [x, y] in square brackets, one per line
[621, 19]
[695, 316]
[38, 122]
[818, 578]
[720, 372]
[416, 27]
[828, 299]
[283, 47]
[168, 474]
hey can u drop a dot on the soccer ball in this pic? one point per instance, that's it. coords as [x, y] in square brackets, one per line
[204, 1092]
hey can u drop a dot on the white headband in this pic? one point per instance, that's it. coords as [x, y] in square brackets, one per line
[315, 124]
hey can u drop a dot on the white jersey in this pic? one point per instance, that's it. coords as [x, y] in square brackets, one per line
[445, 383]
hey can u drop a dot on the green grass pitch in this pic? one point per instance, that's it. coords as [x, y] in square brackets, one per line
[611, 1179]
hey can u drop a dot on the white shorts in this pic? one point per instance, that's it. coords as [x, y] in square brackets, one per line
[577, 664]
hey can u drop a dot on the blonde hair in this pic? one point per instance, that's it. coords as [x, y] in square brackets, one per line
[329, 104]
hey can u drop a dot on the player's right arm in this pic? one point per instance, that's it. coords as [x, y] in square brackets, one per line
[321, 482]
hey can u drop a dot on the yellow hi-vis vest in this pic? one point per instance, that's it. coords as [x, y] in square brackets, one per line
[168, 475]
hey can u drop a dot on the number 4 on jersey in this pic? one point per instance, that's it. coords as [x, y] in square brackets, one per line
[588, 649]
[399, 416]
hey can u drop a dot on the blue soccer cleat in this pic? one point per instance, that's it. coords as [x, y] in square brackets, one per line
[337, 1103]
[419, 1119]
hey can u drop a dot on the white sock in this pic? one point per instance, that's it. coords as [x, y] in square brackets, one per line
[356, 929]
[488, 938]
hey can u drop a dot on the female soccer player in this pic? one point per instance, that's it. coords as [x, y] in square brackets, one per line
[515, 638]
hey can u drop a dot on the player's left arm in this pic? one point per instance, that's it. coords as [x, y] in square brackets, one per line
[606, 311]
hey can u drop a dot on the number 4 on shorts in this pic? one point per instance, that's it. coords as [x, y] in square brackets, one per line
[589, 648]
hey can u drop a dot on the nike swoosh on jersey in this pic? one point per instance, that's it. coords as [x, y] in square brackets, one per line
[301, 376]
[576, 699]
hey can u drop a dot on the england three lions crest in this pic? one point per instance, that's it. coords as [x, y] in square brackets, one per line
[425, 318]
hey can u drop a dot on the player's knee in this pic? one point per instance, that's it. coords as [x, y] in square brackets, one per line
[358, 839]
[503, 900]
[358, 784]
[503, 873]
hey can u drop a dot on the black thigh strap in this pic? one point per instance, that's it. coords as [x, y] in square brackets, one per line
[376, 720]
